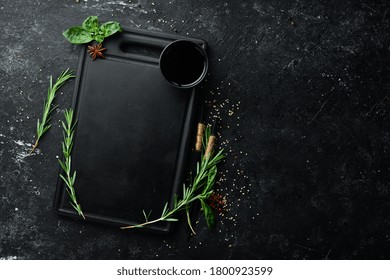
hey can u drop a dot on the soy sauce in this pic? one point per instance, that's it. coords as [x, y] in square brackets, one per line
[183, 65]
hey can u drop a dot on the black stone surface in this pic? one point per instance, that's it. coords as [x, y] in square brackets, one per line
[302, 90]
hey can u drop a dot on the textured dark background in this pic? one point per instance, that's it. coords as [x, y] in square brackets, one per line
[302, 89]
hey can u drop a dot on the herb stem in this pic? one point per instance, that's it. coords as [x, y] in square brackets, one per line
[66, 164]
[34, 146]
[43, 125]
[189, 220]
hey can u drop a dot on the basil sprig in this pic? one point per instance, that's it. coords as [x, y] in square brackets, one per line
[90, 30]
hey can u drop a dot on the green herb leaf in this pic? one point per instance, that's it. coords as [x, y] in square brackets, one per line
[208, 214]
[98, 38]
[90, 30]
[109, 28]
[62, 164]
[77, 35]
[171, 220]
[165, 210]
[91, 24]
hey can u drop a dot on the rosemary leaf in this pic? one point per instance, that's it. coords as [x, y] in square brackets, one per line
[146, 215]
[170, 220]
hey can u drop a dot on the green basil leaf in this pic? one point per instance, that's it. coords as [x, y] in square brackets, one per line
[98, 38]
[208, 214]
[91, 24]
[210, 180]
[77, 35]
[110, 27]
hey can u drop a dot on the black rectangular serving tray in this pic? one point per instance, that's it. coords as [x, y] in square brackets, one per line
[133, 133]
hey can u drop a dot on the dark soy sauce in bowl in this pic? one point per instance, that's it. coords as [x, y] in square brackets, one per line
[183, 63]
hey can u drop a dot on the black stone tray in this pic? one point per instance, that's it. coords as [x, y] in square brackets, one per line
[133, 133]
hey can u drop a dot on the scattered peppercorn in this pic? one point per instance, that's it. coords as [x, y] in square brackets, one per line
[217, 202]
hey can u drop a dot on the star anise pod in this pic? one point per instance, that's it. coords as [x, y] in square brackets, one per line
[96, 51]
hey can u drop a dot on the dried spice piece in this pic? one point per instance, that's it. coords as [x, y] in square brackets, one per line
[96, 51]
[217, 202]
[199, 137]
[210, 146]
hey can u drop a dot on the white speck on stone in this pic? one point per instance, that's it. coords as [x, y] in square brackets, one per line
[19, 142]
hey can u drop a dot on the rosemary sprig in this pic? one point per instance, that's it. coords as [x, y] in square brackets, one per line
[66, 165]
[43, 125]
[200, 189]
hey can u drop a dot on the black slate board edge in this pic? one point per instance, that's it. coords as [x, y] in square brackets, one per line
[181, 162]
[163, 35]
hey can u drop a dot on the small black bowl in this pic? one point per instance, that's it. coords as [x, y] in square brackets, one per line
[183, 63]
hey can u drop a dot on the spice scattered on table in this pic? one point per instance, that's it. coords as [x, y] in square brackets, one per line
[217, 202]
